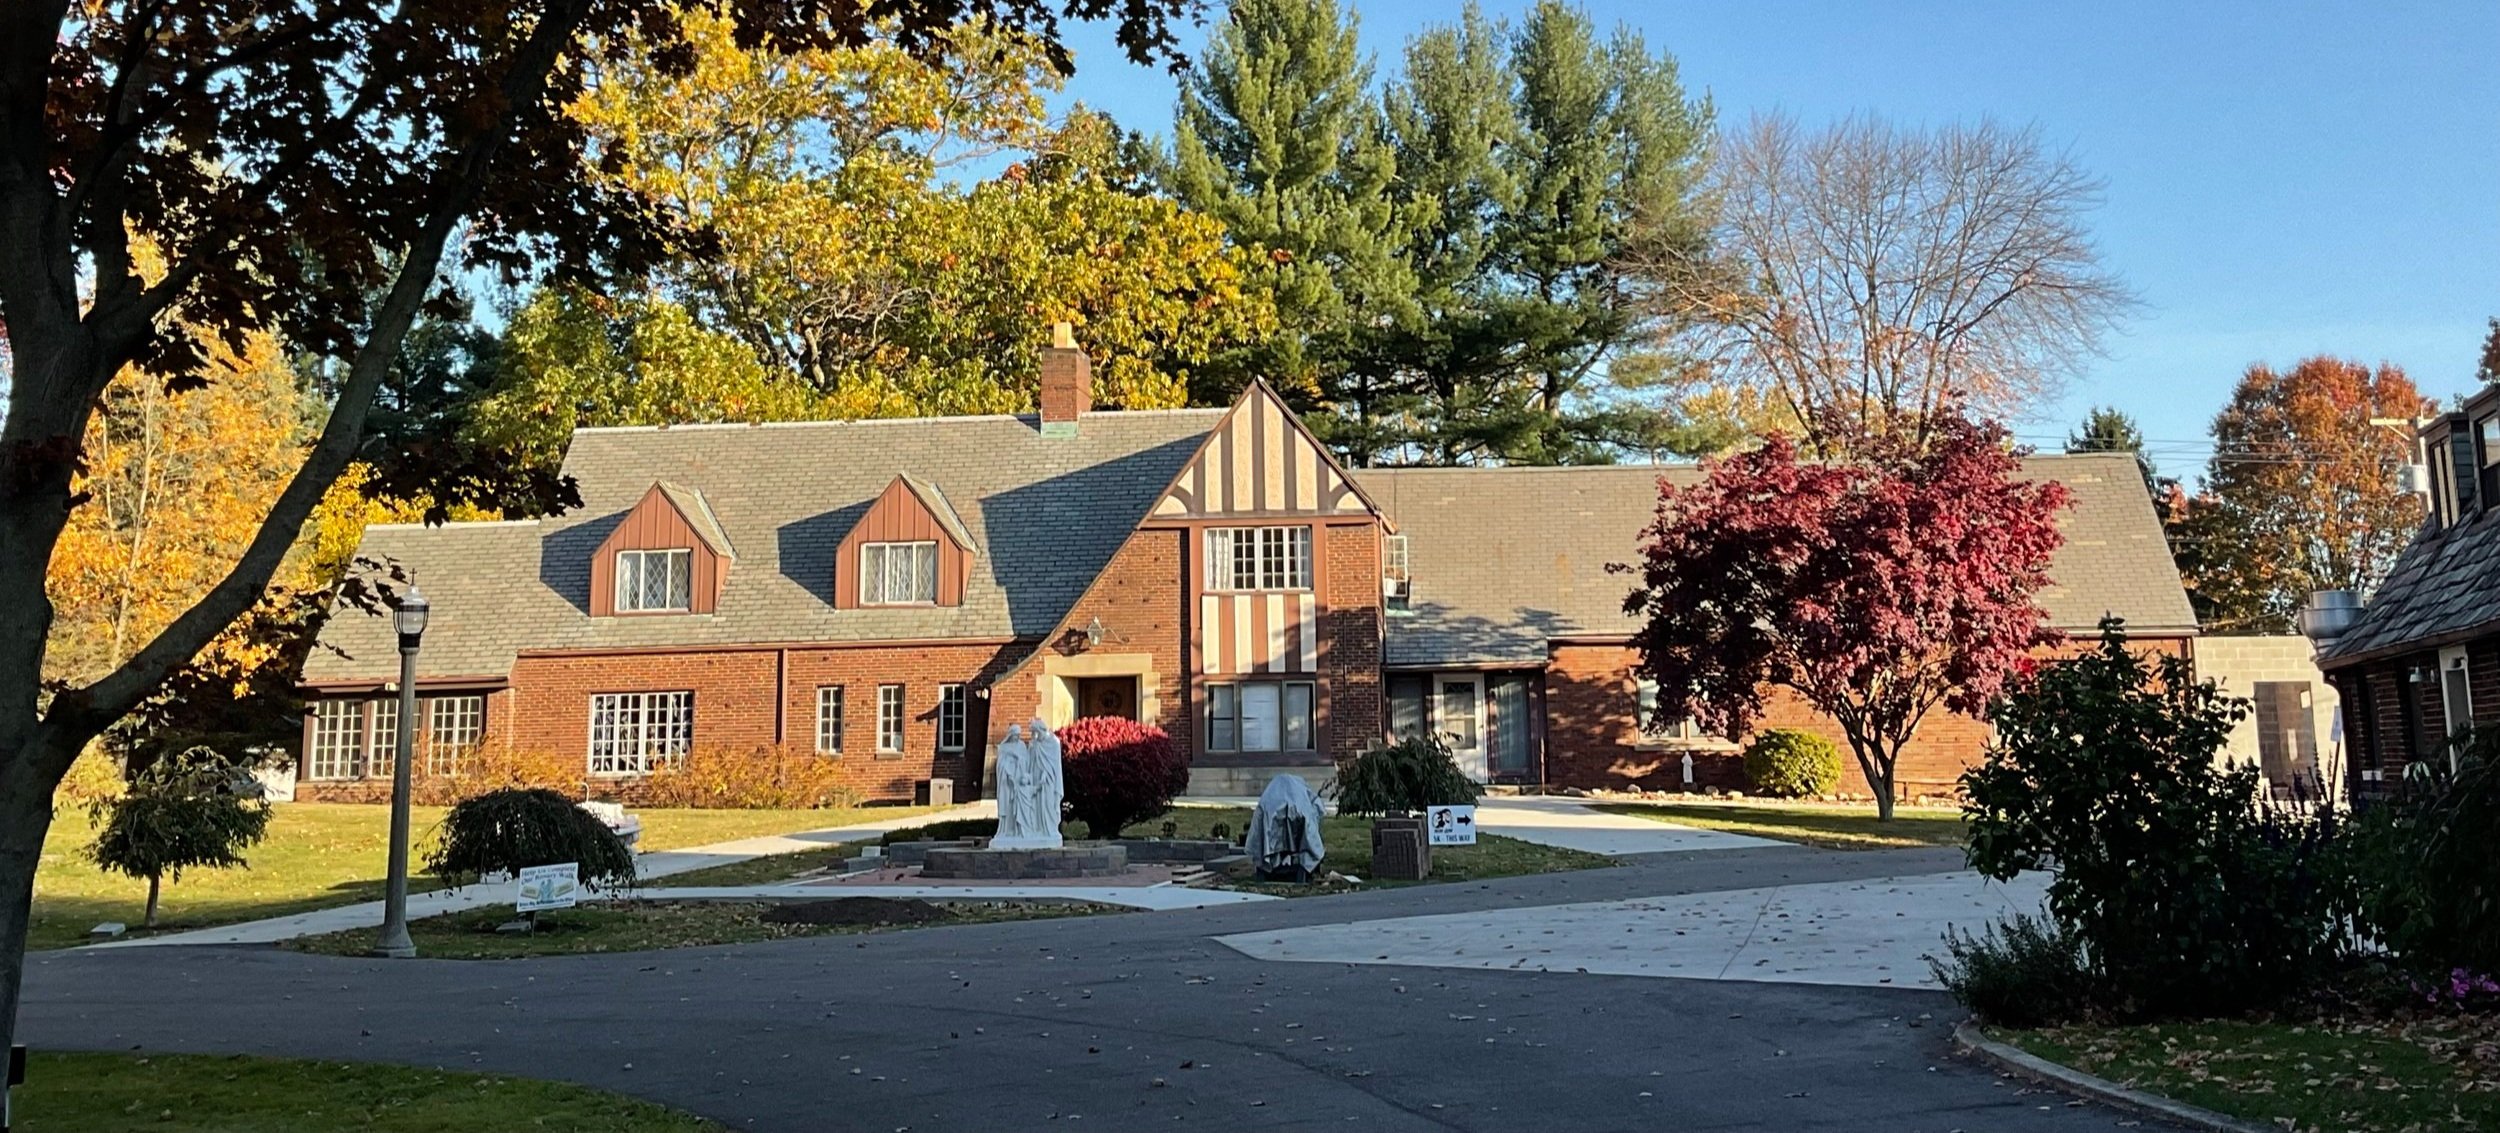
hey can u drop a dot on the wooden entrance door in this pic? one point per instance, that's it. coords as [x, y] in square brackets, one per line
[1107, 696]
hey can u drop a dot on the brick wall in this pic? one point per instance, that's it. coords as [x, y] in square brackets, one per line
[2400, 740]
[1592, 739]
[1350, 640]
[1139, 597]
[547, 708]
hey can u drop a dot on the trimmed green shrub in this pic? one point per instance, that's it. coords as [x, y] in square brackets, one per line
[508, 830]
[1118, 772]
[180, 813]
[1406, 776]
[2022, 972]
[1792, 763]
[946, 830]
[2188, 895]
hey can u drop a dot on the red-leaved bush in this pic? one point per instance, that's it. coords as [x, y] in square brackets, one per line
[1880, 588]
[1119, 772]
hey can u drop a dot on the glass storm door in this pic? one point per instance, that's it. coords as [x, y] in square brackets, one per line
[1458, 711]
[1507, 724]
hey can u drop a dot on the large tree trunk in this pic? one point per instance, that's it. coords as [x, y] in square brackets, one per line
[25, 817]
[1878, 765]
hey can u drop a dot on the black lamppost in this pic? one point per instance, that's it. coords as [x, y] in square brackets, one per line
[409, 619]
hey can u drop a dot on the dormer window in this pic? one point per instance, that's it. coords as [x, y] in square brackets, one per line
[667, 554]
[898, 574]
[658, 581]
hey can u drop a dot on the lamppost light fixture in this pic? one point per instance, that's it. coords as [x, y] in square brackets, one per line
[410, 616]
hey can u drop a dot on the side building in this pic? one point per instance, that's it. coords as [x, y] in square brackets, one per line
[2420, 663]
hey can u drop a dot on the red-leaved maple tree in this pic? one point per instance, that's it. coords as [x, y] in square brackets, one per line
[1878, 589]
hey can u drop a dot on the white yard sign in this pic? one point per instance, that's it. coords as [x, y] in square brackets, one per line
[1452, 825]
[543, 887]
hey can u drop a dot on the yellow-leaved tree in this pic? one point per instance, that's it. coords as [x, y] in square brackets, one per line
[839, 245]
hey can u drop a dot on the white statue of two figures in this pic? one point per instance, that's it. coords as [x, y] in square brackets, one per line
[1030, 787]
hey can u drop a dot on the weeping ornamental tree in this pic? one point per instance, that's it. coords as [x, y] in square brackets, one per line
[303, 168]
[181, 813]
[1879, 588]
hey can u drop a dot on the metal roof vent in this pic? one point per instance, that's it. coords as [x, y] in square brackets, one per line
[2327, 616]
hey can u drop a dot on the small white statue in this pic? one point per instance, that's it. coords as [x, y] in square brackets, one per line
[1030, 787]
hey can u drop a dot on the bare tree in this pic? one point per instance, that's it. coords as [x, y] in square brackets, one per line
[1867, 274]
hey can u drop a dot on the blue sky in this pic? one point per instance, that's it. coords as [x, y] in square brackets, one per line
[2282, 179]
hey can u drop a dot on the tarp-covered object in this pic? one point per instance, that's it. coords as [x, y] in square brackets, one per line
[1284, 829]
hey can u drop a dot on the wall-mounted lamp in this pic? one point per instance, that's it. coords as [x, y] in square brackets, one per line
[1093, 633]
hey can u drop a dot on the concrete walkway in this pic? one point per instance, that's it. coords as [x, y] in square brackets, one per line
[658, 864]
[1575, 825]
[1873, 933]
[1150, 897]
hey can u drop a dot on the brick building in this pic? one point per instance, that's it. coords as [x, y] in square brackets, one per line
[2420, 663]
[891, 594]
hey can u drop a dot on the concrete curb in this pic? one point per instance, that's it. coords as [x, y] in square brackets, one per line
[2018, 1061]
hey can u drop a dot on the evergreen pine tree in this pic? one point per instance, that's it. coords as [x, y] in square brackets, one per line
[2106, 429]
[1276, 137]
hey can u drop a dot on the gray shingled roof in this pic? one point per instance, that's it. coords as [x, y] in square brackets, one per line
[698, 512]
[1045, 514]
[940, 510]
[1505, 558]
[2442, 588]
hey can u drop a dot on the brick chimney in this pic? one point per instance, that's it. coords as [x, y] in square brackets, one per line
[1067, 383]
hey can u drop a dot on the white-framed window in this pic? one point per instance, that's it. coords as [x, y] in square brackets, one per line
[1259, 558]
[897, 574]
[338, 740]
[382, 739]
[649, 581]
[1645, 699]
[829, 719]
[1260, 716]
[634, 733]
[1397, 579]
[890, 718]
[2456, 694]
[453, 727]
[950, 718]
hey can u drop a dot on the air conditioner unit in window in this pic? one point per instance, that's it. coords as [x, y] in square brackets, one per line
[1395, 587]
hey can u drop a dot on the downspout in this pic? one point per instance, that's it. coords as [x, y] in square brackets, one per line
[781, 696]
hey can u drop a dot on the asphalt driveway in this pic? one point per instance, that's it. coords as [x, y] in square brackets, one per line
[1125, 1021]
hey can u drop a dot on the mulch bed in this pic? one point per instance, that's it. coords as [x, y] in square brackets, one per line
[854, 911]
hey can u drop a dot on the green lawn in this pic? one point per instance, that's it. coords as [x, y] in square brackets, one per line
[1832, 827]
[323, 854]
[638, 926]
[179, 1093]
[2437, 1075]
